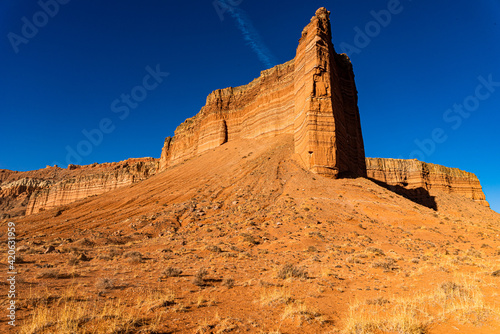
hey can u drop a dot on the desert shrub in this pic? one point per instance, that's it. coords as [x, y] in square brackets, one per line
[291, 271]
[115, 252]
[453, 290]
[387, 264]
[105, 284]
[228, 283]
[352, 259]
[172, 272]
[377, 301]
[474, 253]
[200, 278]
[249, 238]
[312, 249]
[73, 260]
[133, 257]
[54, 273]
[375, 251]
[85, 242]
[104, 257]
[213, 248]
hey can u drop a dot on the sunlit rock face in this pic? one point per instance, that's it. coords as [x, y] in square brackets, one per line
[313, 97]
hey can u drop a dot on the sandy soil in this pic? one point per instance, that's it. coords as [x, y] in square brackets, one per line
[243, 239]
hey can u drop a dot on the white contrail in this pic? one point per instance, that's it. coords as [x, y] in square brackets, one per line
[251, 35]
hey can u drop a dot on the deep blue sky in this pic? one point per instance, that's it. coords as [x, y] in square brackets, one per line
[65, 78]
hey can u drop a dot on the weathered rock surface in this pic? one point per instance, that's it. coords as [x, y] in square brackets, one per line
[313, 97]
[30, 192]
[104, 179]
[429, 178]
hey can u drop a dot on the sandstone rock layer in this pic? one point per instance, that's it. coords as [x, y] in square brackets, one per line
[414, 174]
[313, 97]
[312, 100]
[34, 191]
[104, 179]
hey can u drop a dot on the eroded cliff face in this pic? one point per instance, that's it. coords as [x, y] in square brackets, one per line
[14, 195]
[426, 177]
[89, 183]
[262, 108]
[313, 97]
[327, 124]
[34, 191]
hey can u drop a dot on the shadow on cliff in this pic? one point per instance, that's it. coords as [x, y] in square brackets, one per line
[418, 195]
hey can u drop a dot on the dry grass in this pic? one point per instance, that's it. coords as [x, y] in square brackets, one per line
[291, 271]
[81, 317]
[72, 313]
[133, 257]
[275, 296]
[460, 300]
[172, 272]
[153, 299]
[200, 278]
[56, 274]
[302, 313]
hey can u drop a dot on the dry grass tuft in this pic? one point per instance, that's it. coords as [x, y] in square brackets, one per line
[73, 313]
[54, 273]
[388, 264]
[291, 271]
[172, 272]
[460, 301]
[275, 296]
[200, 279]
[133, 257]
[153, 299]
[301, 312]
[104, 284]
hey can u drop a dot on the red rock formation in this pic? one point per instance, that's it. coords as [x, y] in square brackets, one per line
[327, 125]
[262, 108]
[105, 178]
[30, 192]
[414, 174]
[313, 97]
[17, 187]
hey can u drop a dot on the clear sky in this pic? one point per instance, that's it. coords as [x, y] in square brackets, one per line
[127, 73]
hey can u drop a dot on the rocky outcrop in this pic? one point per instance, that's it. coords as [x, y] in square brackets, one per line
[426, 177]
[327, 125]
[262, 108]
[34, 191]
[104, 179]
[14, 195]
[313, 97]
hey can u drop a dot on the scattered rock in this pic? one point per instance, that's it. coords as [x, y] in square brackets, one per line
[50, 249]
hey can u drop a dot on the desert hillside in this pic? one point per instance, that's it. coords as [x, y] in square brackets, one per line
[243, 238]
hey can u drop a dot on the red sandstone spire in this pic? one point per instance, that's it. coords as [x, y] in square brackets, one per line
[312, 97]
